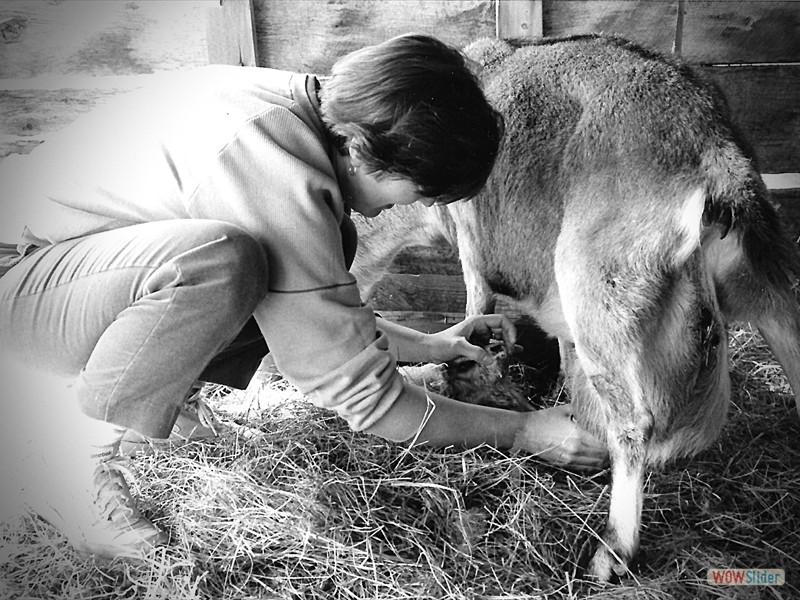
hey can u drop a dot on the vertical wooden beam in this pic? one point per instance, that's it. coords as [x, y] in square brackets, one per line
[231, 33]
[519, 19]
[677, 45]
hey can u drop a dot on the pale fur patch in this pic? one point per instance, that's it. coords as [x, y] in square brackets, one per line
[689, 225]
[626, 508]
[550, 315]
[622, 531]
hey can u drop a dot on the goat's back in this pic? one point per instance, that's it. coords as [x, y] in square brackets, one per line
[619, 136]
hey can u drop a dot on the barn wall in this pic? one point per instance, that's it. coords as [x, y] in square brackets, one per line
[90, 49]
[310, 36]
[59, 58]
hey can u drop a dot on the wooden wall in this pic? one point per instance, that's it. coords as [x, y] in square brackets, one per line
[59, 58]
[746, 47]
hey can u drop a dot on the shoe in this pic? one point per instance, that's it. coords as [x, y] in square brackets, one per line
[104, 520]
[195, 421]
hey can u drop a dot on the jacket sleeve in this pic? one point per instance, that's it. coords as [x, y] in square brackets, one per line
[326, 344]
[276, 181]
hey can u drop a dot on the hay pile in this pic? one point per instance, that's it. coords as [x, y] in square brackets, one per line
[311, 510]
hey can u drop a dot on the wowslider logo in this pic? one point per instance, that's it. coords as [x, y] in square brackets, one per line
[746, 576]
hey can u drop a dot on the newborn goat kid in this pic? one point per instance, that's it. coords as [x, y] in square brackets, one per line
[468, 381]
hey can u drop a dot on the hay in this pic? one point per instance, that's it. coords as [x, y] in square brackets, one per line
[309, 510]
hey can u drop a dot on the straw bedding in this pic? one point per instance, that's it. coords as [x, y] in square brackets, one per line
[305, 509]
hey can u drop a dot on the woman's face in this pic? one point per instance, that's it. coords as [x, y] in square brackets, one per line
[371, 193]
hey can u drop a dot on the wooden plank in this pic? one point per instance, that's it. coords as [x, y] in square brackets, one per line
[764, 102]
[677, 45]
[788, 201]
[425, 321]
[741, 32]
[519, 19]
[440, 258]
[713, 31]
[419, 293]
[332, 29]
[425, 293]
[231, 34]
[34, 113]
[119, 37]
[28, 116]
[649, 23]
[782, 181]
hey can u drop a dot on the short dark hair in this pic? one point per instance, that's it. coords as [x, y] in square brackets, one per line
[411, 107]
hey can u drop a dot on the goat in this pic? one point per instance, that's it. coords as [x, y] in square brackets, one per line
[468, 381]
[626, 216]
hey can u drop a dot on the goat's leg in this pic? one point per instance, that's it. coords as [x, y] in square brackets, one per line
[626, 436]
[480, 298]
[782, 334]
[772, 304]
[621, 536]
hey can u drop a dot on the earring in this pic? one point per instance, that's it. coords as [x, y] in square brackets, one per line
[351, 170]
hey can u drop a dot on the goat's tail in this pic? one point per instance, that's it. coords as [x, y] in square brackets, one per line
[737, 201]
[759, 280]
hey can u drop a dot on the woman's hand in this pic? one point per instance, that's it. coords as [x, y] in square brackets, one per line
[553, 435]
[454, 341]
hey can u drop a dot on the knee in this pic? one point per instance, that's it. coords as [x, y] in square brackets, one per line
[227, 268]
[242, 264]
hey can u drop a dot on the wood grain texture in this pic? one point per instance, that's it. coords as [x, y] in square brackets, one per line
[765, 105]
[649, 23]
[741, 32]
[230, 31]
[427, 292]
[519, 19]
[763, 102]
[28, 116]
[788, 202]
[309, 36]
[117, 37]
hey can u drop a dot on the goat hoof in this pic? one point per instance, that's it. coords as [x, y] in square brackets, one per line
[604, 568]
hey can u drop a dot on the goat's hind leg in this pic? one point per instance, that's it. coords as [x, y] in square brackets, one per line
[766, 294]
[781, 330]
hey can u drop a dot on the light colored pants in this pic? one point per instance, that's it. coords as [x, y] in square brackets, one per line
[138, 314]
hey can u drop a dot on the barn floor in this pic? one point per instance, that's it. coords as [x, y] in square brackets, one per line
[309, 510]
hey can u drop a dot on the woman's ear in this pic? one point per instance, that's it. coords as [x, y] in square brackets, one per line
[355, 155]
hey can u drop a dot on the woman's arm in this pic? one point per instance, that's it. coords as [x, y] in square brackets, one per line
[551, 433]
[409, 345]
[405, 344]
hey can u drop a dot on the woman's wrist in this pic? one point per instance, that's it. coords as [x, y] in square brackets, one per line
[405, 344]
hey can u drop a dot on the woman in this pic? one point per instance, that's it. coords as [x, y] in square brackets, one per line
[173, 235]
